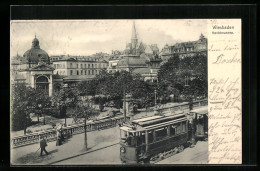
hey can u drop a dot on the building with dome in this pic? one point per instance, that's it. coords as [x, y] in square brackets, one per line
[33, 68]
[38, 70]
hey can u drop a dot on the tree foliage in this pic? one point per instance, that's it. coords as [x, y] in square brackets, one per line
[64, 99]
[108, 86]
[184, 76]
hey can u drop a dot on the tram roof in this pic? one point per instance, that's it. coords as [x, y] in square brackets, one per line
[156, 119]
[201, 110]
[129, 128]
[147, 119]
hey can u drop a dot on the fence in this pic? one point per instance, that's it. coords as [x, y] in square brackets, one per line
[69, 130]
[182, 107]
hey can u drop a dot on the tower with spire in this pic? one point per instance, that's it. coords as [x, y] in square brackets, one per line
[134, 39]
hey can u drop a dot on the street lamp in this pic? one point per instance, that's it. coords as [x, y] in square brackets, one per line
[155, 98]
[65, 86]
[40, 108]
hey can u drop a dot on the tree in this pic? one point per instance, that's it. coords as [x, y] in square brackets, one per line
[22, 98]
[186, 76]
[64, 99]
[83, 110]
[42, 102]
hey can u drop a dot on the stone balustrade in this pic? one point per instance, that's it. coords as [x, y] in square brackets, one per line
[182, 107]
[50, 135]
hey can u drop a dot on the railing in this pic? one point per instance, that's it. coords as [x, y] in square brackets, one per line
[182, 107]
[69, 130]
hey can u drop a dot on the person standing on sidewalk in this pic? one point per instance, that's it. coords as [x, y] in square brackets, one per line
[43, 144]
[58, 134]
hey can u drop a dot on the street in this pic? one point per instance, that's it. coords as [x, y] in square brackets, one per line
[74, 151]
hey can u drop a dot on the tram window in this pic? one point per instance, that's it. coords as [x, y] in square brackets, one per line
[150, 136]
[179, 128]
[173, 130]
[161, 132]
[140, 138]
[183, 126]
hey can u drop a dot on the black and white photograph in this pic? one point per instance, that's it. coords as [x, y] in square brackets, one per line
[109, 92]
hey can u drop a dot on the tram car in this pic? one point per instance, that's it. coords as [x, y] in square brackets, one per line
[200, 122]
[154, 138]
[149, 137]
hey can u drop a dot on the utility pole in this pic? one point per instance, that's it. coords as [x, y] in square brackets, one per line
[124, 105]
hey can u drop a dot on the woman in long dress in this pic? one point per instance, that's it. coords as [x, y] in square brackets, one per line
[58, 134]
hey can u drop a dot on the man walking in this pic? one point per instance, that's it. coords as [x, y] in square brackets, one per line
[43, 144]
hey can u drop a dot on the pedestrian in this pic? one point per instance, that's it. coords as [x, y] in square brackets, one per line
[61, 134]
[58, 135]
[43, 144]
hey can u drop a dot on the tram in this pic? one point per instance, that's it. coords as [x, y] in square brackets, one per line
[145, 138]
[200, 119]
[157, 137]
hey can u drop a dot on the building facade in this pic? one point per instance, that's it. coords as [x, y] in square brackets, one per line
[37, 70]
[76, 67]
[33, 69]
[185, 49]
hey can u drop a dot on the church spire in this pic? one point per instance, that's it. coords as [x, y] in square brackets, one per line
[134, 35]
[134, 40]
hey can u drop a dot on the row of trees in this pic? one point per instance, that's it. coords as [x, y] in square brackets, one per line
[26, 100]
[110, 87]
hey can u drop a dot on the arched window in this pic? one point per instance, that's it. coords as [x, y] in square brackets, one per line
[42, 83]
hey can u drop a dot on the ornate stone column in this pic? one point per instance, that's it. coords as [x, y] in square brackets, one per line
[33, 81]
[50, 85]
[129, 106]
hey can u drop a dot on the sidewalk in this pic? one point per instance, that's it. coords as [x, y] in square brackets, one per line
[75, 145]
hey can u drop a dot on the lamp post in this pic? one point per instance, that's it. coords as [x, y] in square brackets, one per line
[155, 98]
[65, 86]
[40, 108]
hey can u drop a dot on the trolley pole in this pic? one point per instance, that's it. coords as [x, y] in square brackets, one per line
[124, 106]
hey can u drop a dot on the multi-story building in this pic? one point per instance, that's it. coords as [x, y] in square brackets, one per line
[74, 67]
[37, 70]
[185, 49]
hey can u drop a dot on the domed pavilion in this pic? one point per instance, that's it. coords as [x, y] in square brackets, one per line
[35, 69]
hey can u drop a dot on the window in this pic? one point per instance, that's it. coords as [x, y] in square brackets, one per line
[173, 130]
[92, 65]
[88, 65]
[81, 72]
[71, 72]
[85, 72]
[81, 66]
[184, 126]
[77, 65]
[88, 72]
[77, 72]
[162, 132]
[179, 128]
[70, 65]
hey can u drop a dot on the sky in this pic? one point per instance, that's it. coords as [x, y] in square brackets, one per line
[86, 37]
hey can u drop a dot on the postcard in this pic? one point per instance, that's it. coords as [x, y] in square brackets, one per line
[125, 92]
